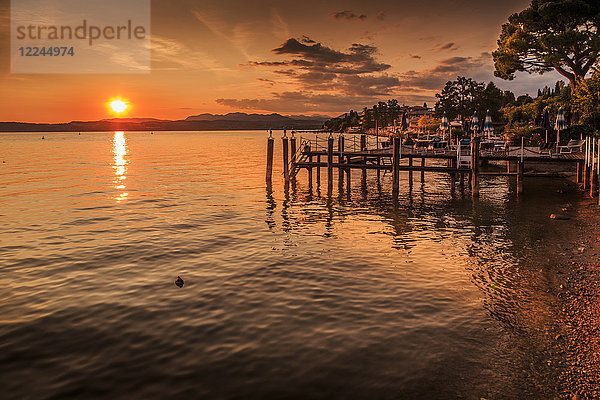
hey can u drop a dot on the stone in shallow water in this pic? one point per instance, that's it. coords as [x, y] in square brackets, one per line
[179, 282]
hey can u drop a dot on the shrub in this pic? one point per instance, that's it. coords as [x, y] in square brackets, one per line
[533, 136]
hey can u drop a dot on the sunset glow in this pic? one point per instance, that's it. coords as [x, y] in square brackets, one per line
[261, 58]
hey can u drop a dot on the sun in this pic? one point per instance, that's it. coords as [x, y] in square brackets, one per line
[118, 106]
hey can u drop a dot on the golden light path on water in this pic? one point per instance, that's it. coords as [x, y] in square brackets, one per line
[120, 165]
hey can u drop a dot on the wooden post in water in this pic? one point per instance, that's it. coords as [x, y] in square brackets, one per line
[293, 154]
[410, 172]
[341, 161]
[349, 172]
[423, 171]
[329, 165]
[520, 172]
[318, 170]
[269, 159]
[475, 167]
[396, 167]
[309, 169]
[363, 147]
[286, 171]
[454, 164]
[293, 148]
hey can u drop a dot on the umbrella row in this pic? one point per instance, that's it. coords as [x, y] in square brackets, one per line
[488, 126]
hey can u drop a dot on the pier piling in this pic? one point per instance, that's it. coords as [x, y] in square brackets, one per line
[422, 171]
[410, 173]
[309, 169]
[269, 159]
[520, 174]
[396, 167]
[475, 167]
[318, 171]
[293, 147]
[329, 165]
[286, 171]
[349, 172]
[363, 147]
[340, 161]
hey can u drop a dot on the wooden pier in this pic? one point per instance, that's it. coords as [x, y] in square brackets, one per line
[465, 160]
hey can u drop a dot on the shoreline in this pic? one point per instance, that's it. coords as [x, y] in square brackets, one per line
[567, 334]
[577, 288]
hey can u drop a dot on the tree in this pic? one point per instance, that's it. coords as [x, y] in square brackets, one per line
[458, 97]
[586, 100]
[464, 96]
[563, 35]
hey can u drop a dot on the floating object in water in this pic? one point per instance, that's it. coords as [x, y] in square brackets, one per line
[43, 137]
[179, 282]
[559, 216]
[79, 133]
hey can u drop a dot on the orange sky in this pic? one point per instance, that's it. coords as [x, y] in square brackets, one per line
[310, 57]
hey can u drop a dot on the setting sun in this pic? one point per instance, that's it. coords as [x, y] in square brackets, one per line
[118, 106]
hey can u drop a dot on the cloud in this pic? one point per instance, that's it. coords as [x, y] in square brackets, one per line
[358, 59]
[312, 67]
[447, 69]
[451, 46]
[268, 82]
[328, 79]
[310, 102]
[347, 16]
[280, 27]
[171, 54]
[240, 36]
[380, 16]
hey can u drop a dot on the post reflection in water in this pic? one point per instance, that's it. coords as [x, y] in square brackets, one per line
[120, 165]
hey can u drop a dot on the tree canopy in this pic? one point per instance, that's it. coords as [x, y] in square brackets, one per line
[586, 100]
[464, 96]
[562, 35]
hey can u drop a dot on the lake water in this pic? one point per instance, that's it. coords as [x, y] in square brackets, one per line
[288, 294]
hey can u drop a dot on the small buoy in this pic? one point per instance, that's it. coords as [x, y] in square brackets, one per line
[179, 282]
[79, 133]
[43, 137]
[559, 216]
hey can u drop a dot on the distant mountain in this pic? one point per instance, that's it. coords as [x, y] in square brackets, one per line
[202, 122]
[274, 118]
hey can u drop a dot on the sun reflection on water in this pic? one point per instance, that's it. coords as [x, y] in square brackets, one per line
[120, 165]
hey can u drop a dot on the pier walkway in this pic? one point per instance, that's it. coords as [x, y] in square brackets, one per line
[463, 160]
